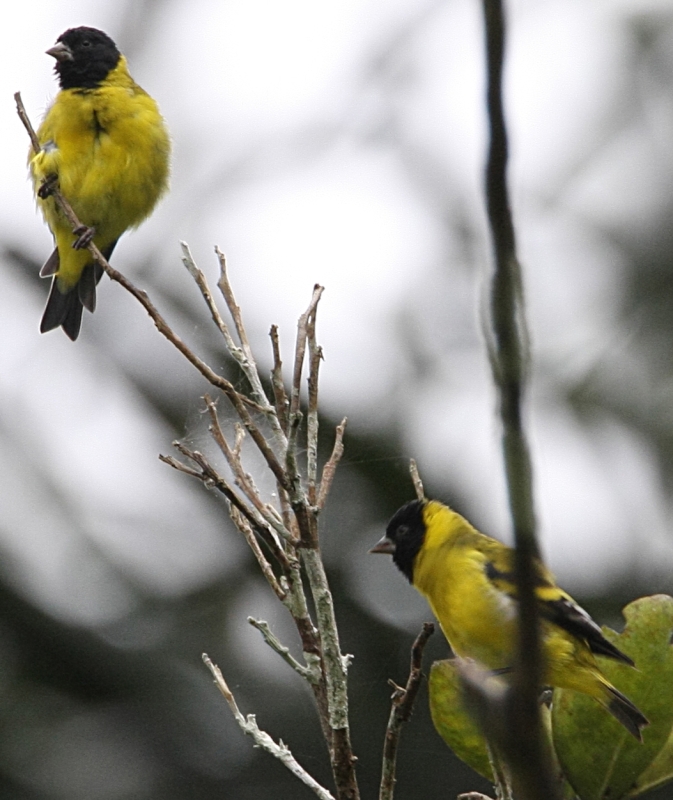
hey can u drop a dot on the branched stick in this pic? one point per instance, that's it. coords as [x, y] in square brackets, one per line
[402, 705]
[311, 674]
[300, 350]
[243, 479]
[212, 479]
[531, 764]
[287, 532]
[262, 739]
[245, 356]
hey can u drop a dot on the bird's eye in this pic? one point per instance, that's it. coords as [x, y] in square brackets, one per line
[402, 530]
[86, 43]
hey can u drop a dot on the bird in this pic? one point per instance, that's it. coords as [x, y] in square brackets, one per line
[467, 579]
[105, 146]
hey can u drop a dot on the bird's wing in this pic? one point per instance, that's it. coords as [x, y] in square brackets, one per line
[554, 604]
[565, 613]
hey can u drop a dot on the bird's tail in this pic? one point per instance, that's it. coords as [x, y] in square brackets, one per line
[64, 306]
[64, 309]
[624, 711]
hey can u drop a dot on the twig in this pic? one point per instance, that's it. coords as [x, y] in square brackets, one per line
[243, 479]
[312, 421]
[416, 479]
[212, 479]
[309, 673]
[244, 354]
[21, 111]
[262, 739]
[402, 706]
[331, 464]
[246, 529]
[280, 396]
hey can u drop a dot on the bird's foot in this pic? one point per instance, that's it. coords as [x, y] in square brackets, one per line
[85, 235]
[47, 187]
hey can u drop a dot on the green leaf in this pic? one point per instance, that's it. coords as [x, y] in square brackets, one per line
[598, 756]
[453, 723]
[659, 772]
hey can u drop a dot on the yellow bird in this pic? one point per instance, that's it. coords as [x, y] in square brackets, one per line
[105, 146]
[467, 578]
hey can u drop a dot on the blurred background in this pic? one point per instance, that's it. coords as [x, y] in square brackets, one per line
[339, 143]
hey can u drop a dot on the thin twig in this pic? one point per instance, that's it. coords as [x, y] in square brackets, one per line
[329, 469]
[402, 706]
[262, 739]
[202, 283]
[243, 479]
[212, 479]
[312, 420]
[21, 111]
[300, 349]
[246, 529]
[416, 478]
[279, 393]
[311, 674]
[244, 354]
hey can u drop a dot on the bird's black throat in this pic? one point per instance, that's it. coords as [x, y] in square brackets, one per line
[407, 531]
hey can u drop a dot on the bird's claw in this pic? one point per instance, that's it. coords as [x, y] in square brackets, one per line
[47, 187]
[85, 235]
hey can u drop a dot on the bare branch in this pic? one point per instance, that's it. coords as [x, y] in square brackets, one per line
[312, 422]
[262, 739]
[403, 703]
[244, 354]
[246, 529]
[311, 674]
[243, 480]
[212, 479]
[329, 469]
[21, 111]
[300, 349]
[416, 478]
[280, 396]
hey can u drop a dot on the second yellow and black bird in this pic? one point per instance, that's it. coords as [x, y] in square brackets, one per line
[467, 578]
[105, 146]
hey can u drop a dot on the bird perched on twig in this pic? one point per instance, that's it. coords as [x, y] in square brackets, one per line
[467, 578]
[105, 146]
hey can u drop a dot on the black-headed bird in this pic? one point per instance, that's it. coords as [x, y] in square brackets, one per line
[105, 146]
[467, 578]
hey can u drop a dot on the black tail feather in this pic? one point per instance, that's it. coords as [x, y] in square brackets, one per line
[624, 711]
[63, 310]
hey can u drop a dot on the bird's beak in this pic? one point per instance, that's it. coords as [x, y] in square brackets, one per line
[385, 546]
[61, 52]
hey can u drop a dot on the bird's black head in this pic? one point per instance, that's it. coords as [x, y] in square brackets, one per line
[84, 58]
[404, 537]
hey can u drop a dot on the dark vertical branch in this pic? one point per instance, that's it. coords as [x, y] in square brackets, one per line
[527, 750]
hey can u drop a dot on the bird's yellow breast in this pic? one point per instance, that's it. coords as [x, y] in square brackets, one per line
[449, 570]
